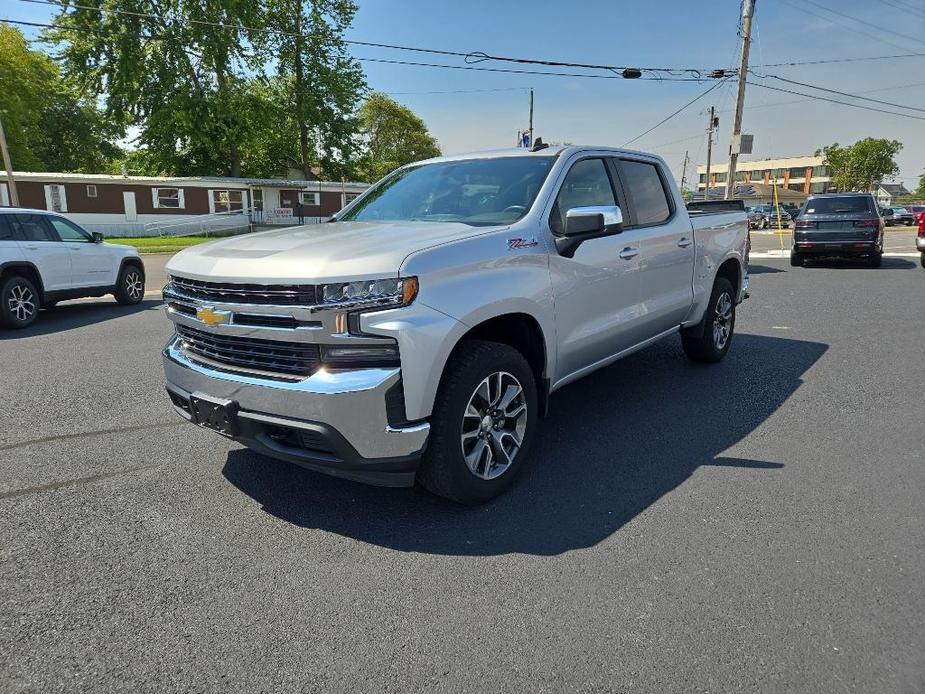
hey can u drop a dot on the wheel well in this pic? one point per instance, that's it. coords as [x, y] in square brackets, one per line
[522, 332]
[132, 261]
[731, 271]
[24, 270]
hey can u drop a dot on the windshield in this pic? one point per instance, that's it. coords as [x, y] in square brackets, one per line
[839, 205]
[479, 192]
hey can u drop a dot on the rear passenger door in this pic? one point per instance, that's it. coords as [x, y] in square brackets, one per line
[9, 246]
[41, 247]
[665, 241]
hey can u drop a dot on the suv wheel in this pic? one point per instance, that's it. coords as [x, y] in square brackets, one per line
[796, 260]
[483, 423]
[923, 259]
[717, 327]
[875, 259]
[130, 287]
[19, 302]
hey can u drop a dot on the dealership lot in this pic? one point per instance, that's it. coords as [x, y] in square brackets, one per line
[755, 525]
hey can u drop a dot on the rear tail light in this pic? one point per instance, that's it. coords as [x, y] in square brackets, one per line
[804, 224]
[867, 223]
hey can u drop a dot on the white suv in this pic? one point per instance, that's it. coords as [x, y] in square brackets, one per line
[46, 258]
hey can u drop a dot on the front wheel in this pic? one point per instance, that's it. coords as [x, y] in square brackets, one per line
[130, 287]
[923, 259]
[483, 423]
[715, 332]
[19, 302]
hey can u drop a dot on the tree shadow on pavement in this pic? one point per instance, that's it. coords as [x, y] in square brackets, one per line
[80, 314]
[612, 445]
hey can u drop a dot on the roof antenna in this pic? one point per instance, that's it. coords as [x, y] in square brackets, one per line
[538, 145]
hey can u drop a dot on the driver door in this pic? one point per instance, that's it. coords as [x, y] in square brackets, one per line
[91, 263]
[597, 291]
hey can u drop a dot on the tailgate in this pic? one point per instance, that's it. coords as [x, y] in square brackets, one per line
[834, 228]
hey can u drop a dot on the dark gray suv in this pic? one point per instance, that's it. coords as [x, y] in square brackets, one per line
[846, 225]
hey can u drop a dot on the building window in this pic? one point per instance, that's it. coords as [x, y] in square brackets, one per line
[703, 178]
[740, 176]
[818, 187]
[55, 198]
[226, 200]
[167, 198]
[310, 199]
[821, 171]
[4, 195]
[91, 191]
[778, 173]
[350, 197]
[796, 186]
[720, 178]
[257, 194]
[798, 173]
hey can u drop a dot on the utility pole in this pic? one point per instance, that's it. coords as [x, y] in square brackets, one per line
[706, 188]
[14, 195]
[531, 117]
[748, 12]
[684, 171]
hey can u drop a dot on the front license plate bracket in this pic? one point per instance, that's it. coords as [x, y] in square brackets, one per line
[212, 413]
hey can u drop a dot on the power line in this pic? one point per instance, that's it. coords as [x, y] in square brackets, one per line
[803, 101]
[835, 91]
[847, 26]
[886, 30]
[842, 60]
[665, 120]
[462, 91]
[901, 8]
[834, 101]
[470, 57]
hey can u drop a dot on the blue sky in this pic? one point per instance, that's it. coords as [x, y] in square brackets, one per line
[671, 33]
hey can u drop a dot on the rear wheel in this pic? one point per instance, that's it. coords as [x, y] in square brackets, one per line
[875, 259]
[711, 345]
[923, 259]
[483, 423]
[797, 260]
[130, 287]
[19, 302]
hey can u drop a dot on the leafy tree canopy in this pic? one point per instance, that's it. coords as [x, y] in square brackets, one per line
[863, 165]
[393, 136]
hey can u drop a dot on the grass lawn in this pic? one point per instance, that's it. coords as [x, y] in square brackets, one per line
[160, 244]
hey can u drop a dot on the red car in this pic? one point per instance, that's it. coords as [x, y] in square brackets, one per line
[917, 211]
[920, 237]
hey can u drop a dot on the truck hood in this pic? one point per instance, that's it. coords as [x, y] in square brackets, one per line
[334, 252]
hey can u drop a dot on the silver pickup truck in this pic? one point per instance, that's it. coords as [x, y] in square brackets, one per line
[420, 334]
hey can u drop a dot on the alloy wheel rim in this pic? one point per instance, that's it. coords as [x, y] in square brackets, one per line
[722, 323]
[133, 285]
[21, 302]
[494, 424]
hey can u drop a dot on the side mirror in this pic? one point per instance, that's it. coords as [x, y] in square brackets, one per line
[97, 237]
[584, 223]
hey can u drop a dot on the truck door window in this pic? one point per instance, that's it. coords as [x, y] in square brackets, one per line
[644, 186]
[586, 185]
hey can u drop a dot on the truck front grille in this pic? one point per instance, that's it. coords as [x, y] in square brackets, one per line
[225, 292]
[270, 357]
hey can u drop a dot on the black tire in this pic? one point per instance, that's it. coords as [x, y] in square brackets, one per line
[797, 260]
[444, 470]
[130, 287]
[703, 344]
[875, 260]
[19, 302]
[923, 259]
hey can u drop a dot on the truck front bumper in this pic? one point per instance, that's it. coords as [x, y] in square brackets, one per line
[336, 421]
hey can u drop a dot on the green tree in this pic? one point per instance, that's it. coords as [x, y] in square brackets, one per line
[920, 191]
[182, 82]
[48, 127]
[863, 165]
[317, 82]
[393, 136]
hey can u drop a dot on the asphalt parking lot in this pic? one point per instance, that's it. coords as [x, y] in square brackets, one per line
[758, 525]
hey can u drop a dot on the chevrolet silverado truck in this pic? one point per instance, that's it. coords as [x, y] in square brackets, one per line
[420, 334]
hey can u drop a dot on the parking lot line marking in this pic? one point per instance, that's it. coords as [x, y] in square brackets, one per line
[79, 434]
[764, 255]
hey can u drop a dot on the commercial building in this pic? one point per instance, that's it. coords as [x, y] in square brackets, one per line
[795, 178]
[151, 205]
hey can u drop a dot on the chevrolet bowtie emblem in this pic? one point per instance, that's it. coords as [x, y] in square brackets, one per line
[210, 316]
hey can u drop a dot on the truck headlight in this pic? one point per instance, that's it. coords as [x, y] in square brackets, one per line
[384, 293]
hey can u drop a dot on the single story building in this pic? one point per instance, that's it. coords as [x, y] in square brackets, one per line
[154, 205]
[887, 193]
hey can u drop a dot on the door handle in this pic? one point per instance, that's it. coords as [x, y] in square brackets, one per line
[684, 242]
[629, 252]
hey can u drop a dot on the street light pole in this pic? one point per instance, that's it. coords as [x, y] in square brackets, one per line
[14, 195]
[748, 12]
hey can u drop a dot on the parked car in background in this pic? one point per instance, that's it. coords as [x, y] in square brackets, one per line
[917, 211]
[756, 218]
[893, 216]
[844, 225]
[46, 258]
[772, 213]
[420, 334]
[792, 210]
[920, 238]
